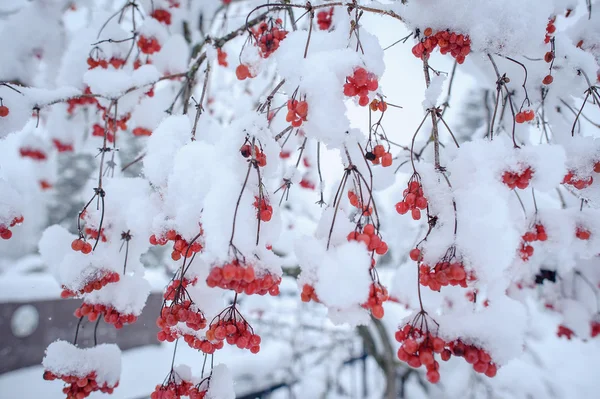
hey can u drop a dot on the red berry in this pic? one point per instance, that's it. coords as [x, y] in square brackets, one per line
[3, 111]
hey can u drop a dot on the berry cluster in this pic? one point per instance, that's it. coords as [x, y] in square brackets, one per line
[242, 278]
[538, 233]
[176, 312]
[235, 331]
[5, 232]
[98, 131]
[378, 294]
[379, 156]
[32, 153]
[458, 45]
[102, 63]
[297, 112]
[111, 315]
[81, 101]
[246, 151]
[305, 183]
[324, 19]
[173, 390]
[308, 294]
[148, 45]
[579, 183]
[378, 105]
[264, 209]
[106, 277]
[161, 15]
[447, 271]
[371, 239]
[172, 290]
[80, 387]
[413, 200]
[62, 147]
[550, 29]
[80, 245]
[180, 246]
[518, 179]
[221, 57]
[477, 357]
[357, 202]
[525, 116]
[4, 111]
[582, 233]
[93, 234]
[564, 331]
[141, 131]
[268, 36]
[360, 84]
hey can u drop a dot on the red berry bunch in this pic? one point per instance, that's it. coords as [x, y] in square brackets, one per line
[98, 131]
[221, 57]
[308, 294]
[579, 183]
[80, 245]
[105, 277]
[34, 154]
[538, 233]
[419, 349]
[360, 84]
[260, 156]
[148, 45]
[264, 209]
[62, 147]
[242, 72]
[179, 311]
[525, 116]
[379, 156]
[550, 29]
[111, 315]
[180, 246]
[564, 331]
[163, 16]
[172, 390]
[297, 112]
[582, 233]
[80, 387]
[305, 183]
[378, 105]
[4, 111]
[458, 45]
[447, 271]
[518, 179]
[173, 289]
[81, 101]
[477, 357]
[93, 234]
[242, 278]
[268, 35]
[197, 393]
[378, 294]
[413, 200]
[5, 232]
[357, 202]
[102, 63]
[233, 329]
[324, 19]
[370, 237]
[141, 131]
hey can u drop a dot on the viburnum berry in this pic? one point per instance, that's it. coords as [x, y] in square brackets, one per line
[370, 238]
[413, 200]
[62, 147]
[579, 183]
[595, 329]
[324, 19]
[582, 233]
[181, 247]
[222, 58]
[447, 271]
[379, 156]
[102, 278]
[82, 246]
[241, 277]
[525, 116]
[268, 35]
[179, 311]
[297, 112]
[308, 294]
[358, 203]
[98, 131]
[305, 183]
[141, 131]
[231, 327]
[243, 72]
[161, 15]
[80, 387]
[564, 331]
[538, 233]
[32, 153]
[4, 111]
[174, 388]
[360, 84]
[259, 155]
[5, 232]
[378, 105]
[549, 56]
[518, 179]
[550, 29]
[265, 211]
[148, 45]
[111, 315]
[378, 294]
[548, 79]
[458, 45]
[597, 167]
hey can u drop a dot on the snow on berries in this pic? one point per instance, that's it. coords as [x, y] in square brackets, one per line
[359, 84]
[519, 179]
[582, 233]
[244, 278]
[458, 45]
[93, 280]
[148, 45]
[83, 370]
[263, 208]
[414, 199]
[181, 247]
[525, 116]
[449, 270]
[255, 154]
[243, 72]
[297, 112]
[268, 35]
[370, 238]
[5, 231]
[161, 15]
[577, 181]
[536, 233]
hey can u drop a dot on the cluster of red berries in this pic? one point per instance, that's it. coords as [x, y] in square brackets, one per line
[268, 36]
[221, 57]
[413, 200]
[378, 105]
[525, 116]
[175, 313]
[106, 277]
[265, 210]
[80, 245]
[161, 15]
[246, 152]
[114, 61]
[234, 332]
[550, 29]
[324, 19]
[518, 179]
[34, 154]
[111, 315]
[175, 390]
[93, 234]
[5, 232]
[360, 84]
[379, 156]
[445, 272]
[80, 387]
[242, 72]
[582, 233]
[297, 112]
[564, 331]
[370, 238]
[180, 246]
[356, 202]
[308, 294]
[141, 131]
[62, 147]
[477, 357]
[80, 101]
[242, 278]
[538, 233]
[378, 294]
[148, 45]
[579, 183]
[4, 111]
[174, 289]
[98, 131]
[305, 183]
[458, 45]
